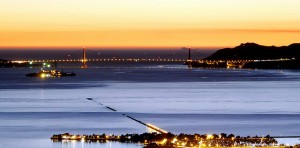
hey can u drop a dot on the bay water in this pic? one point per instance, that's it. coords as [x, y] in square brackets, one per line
[168, 95]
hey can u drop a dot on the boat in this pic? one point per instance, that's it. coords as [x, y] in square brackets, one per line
[50, 73]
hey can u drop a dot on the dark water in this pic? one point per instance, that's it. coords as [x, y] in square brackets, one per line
[168, 95]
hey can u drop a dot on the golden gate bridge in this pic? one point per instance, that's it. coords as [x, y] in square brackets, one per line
[170, 57]
[107, 58]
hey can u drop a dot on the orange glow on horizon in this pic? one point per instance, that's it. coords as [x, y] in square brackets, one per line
[148, 24]
[175, 38]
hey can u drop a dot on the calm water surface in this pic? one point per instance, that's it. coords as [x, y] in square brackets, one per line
[177, 99]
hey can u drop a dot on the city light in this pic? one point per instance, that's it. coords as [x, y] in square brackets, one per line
[209, 136]
[43, 75]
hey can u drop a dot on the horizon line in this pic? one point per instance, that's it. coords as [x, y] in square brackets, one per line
[108, 47]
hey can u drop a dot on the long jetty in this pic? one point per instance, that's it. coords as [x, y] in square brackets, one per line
[153, 127]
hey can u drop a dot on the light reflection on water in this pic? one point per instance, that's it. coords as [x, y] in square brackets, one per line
[109, 144]
[288, 141]
[81, 144]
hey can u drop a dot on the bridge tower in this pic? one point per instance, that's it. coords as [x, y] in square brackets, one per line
[189, 60]
[189, 54]
[84, 60]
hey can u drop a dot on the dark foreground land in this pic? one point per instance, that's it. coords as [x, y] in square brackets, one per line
[181, 140]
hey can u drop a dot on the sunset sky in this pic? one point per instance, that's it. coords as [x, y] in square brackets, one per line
[148, 23]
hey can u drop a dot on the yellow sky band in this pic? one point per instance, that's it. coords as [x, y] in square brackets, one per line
[144, 23]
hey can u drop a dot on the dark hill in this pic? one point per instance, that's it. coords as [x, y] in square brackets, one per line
[253, 51]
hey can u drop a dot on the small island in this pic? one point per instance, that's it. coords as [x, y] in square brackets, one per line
[50, 73]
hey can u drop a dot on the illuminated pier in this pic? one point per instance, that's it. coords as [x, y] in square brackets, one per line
[148, 125]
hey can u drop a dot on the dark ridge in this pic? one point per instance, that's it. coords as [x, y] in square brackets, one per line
[253, 51]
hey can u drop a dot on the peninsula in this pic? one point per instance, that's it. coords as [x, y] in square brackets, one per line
[172, 140]
[252, 55]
